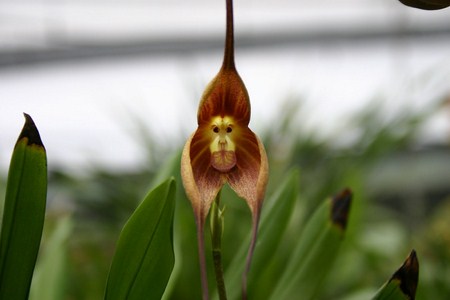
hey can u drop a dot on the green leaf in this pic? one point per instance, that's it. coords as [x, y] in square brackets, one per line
[50, 276]
[316, 250]
[403, 284]
[23, 214]
[144, 257]
[274, 220]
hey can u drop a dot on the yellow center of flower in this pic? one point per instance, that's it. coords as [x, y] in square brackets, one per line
[222, 147]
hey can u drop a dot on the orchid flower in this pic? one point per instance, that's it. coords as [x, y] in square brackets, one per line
[223, 149]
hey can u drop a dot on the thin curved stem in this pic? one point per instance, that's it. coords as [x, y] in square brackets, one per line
[216, 221]
[251, 250]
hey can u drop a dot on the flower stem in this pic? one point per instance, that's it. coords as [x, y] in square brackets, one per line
[217, 256]
[228, 59]
[202, 260]
[216, 223]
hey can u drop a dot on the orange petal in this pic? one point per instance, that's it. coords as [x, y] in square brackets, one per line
[249, 178]
[225, 95]
[201, 181]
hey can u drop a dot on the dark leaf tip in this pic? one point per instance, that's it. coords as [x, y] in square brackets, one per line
[426, 4]
[340, 208]
[408, 275]
[30, 132]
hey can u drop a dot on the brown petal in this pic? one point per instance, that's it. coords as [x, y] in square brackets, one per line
[225, 95]
[200, 180]
[249, 181]
[249, 178]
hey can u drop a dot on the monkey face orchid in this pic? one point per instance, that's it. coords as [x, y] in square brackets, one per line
[223, 149]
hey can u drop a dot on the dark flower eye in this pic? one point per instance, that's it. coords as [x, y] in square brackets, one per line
[229, 129]
[216, 129]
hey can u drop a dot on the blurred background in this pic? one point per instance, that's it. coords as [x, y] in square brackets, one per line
[351, 92]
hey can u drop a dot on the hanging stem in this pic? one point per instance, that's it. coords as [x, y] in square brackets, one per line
[216, 222]
[251, 249]
[228, 59]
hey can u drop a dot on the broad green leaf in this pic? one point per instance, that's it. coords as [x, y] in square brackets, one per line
[144, 256]
[403, 284]
[316, 250]
[185, 236]
[274, 220]
[23, 214]
[50, 276]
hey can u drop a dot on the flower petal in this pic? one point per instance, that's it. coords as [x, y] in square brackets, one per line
[201, 181]
[225, 95]
[249, 178]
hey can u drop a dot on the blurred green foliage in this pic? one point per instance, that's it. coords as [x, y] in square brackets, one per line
[393, 211]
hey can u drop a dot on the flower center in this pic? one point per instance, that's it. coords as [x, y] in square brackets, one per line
[222, 147]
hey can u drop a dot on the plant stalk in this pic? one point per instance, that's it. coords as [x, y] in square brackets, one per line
[216, 223]
[217, 257]
[202, 260]
[228, 59]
